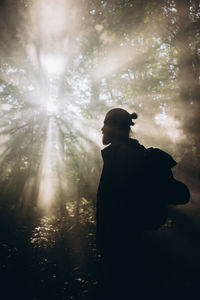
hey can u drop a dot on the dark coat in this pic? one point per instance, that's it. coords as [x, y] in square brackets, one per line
[117, 195]
[135, 190]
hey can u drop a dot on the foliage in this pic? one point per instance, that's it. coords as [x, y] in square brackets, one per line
[140, 55]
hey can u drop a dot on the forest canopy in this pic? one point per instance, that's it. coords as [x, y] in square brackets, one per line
[63, 65]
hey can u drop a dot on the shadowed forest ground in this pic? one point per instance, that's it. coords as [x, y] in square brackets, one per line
[54, 258]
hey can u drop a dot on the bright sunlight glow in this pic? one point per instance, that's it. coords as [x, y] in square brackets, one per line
[51, 107]
[52, 64]
[170, 125]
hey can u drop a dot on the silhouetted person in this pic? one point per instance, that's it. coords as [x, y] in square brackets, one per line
[118, 230]
[118, 183]
[133, 195]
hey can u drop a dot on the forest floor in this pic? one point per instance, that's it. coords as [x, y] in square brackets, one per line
[56, 258]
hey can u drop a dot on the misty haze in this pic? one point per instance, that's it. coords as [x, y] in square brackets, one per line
[63, 65]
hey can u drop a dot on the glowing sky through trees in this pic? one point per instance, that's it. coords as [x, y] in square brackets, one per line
[63, 65]
[69, 68]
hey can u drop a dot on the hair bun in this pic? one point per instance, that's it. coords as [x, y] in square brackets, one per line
[133, 116]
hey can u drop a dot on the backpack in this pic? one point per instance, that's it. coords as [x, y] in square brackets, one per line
[161, 189]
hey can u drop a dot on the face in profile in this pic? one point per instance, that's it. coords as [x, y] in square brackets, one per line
[107, 134]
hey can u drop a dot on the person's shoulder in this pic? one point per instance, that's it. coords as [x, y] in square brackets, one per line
[131, 149]
[132, 145]
[135, 144]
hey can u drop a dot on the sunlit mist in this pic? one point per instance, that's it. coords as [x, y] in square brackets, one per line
[170, 126]
[64, 65]
[52, 64]
[47, 177]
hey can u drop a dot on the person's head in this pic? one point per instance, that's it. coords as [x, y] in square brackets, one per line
[117, 126]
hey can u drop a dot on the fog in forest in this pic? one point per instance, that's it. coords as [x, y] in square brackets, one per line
[63, 65]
